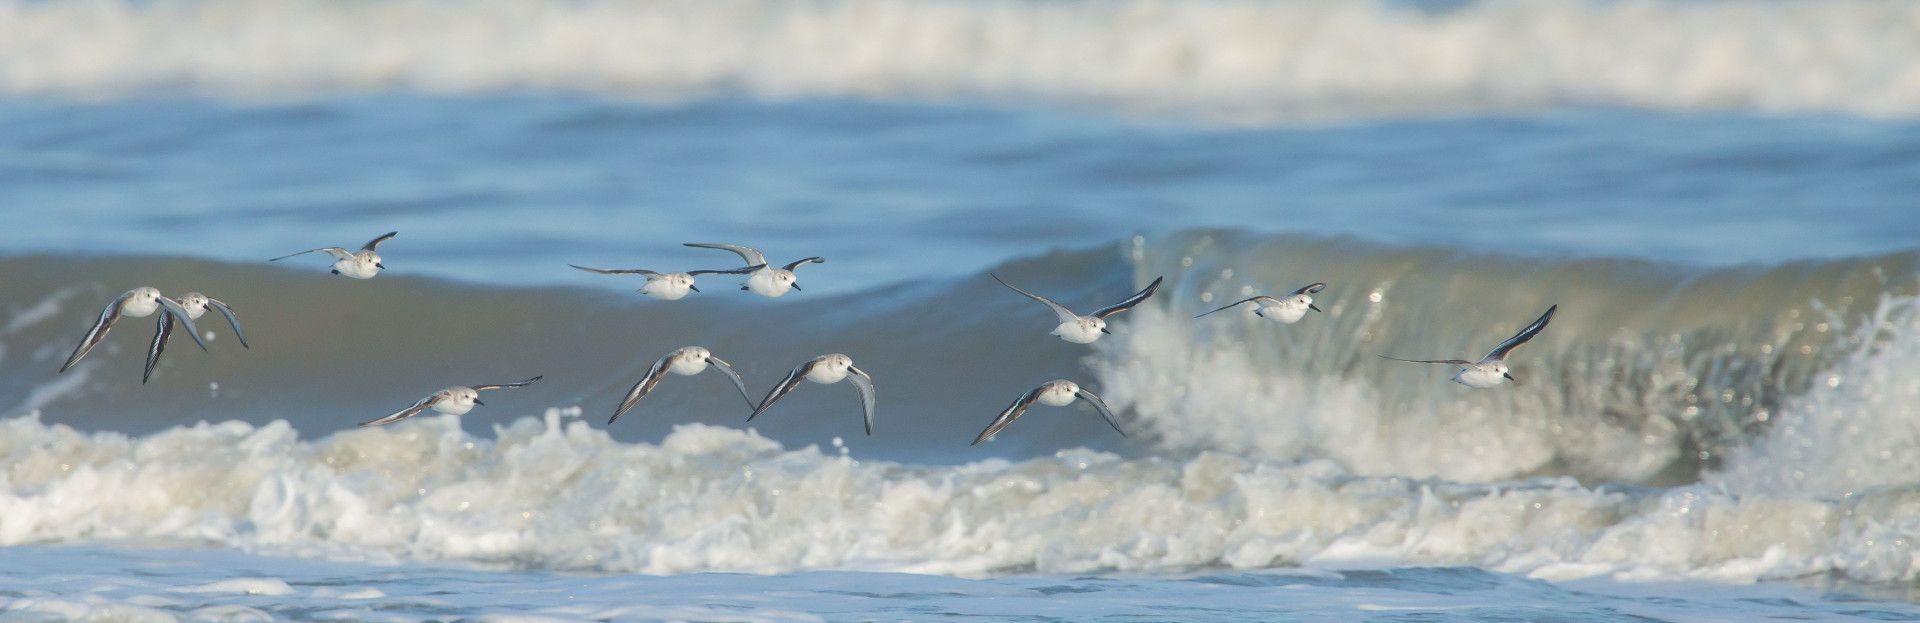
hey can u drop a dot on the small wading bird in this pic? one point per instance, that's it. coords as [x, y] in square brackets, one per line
[196, 305]
[1085, 329]
[457, 400]
[362, 264]
[687, 361]
[1490, 370]
[137, 303]
[668, 286]
[1288, 309]
[825, 370]
[1056, 393]
[765, 281]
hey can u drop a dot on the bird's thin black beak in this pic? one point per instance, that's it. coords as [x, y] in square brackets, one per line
[477, 401]
[1509, 377]
[694, 288]
[380, 265]
[796, 285]
[1104, 330]
[1314, 307]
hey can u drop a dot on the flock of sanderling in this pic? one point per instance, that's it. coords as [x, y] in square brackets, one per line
[764, 280]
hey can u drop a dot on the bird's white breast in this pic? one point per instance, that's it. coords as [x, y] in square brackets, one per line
[1076, 333]
[826, 374]
[1478, 377]
[356, 268]
[687, 366]
[1287, 311]
[665, 289]
[765, 283]
[140, 306]
[1056, 396]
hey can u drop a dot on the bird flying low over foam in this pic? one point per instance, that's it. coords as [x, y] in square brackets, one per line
[1085, 329]
[1287, 309]
[456, 400]
[136, 303]
[686, 361]
[1491, 370]
[362, 264]
[765, 281]
[1056, 393]
[825, 370]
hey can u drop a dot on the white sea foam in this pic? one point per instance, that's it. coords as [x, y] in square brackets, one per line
[544, 494]
[1855, 430]
[1222, 387]
[1259, 60]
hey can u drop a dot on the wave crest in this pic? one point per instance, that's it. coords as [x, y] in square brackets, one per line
[1248, 61]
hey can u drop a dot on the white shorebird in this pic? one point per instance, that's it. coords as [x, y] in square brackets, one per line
[825, 370]
[1085, 329]
[1288, 309]
[767, 281]
[196, 305]
[1056, 393]
[362, 264]
[1490, 370]
[136, 303]
[668, 286]
[457, 400]
[686, 361]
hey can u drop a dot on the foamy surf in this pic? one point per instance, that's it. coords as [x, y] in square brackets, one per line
[547, 493]
[63, 583]
[1240, 61]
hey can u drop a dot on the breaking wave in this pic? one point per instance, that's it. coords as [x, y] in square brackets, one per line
[1255, 61]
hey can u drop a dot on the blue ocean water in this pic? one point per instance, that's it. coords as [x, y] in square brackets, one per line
[1717, 426]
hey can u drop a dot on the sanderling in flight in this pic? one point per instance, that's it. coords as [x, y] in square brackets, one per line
[767, 281]
[362, 264]
[668, 286]
[1491, 370]
[136, 303]
[196, 305]
[687, 361]
[825, 370]
[1085, 329]
[1056, 393]
[1288, 309]
[456, 400]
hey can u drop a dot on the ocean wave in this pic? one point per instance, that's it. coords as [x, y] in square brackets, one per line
[542, 492]
[1252, 61]
[1651, 374]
